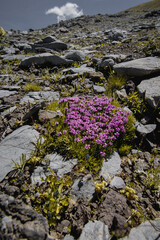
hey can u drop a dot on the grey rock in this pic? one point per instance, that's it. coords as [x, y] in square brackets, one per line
[84, 188]
[20, 220]
[106, 62]
[145, 129]
[117, 183]
[23, 46]
[81, 70]
[56, 45]
[111, 166]
[35, 230]
[151, 88]
[116, 57]
[115, 34]
[9, 51]
[11, 88]
[49, 39]
[37, 175]
[7, 223]
[135, 151]
[95, 230]
[44, 59]
[140, 67]
[8, 111]
[121, 93]
[126, 109]
[148, 230]
[13, 57]
[68, 237]
[48, 115]
[99, 89]
[78, 56]
[11, 148]
[58, 163]
[6, 93]
[34, 97]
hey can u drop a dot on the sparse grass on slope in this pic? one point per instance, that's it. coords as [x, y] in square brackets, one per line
[149, 6]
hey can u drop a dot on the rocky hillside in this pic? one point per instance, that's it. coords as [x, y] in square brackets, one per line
[80, 129]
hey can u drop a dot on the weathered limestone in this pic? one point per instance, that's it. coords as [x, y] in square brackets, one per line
[140, 67]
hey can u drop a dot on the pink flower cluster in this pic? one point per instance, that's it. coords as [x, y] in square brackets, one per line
[94, 120]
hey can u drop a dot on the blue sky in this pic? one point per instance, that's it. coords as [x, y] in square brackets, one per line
[25, 14]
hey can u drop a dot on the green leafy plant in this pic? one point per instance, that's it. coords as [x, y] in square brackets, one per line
[124, 149]
[152, 180]
[129, 193]
[151, 46]
[51, 199]
[136, 104]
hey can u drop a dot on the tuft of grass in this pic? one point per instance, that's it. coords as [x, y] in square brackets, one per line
[32, 87]
[115, 82]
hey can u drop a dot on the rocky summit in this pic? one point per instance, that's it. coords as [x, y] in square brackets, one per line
[80, 128]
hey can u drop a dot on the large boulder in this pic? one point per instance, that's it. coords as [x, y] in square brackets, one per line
[151, 88]
[11, 148]
[139, 68]
[43, 60]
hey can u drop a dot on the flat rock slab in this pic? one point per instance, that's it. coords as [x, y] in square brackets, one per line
[81, 70]
[95, 230]
[148, 230]
[6, 93]
[151, 87]
[117, 183]
[140, 67]
[59, 165]
[11, 148]
[13, 57]
[99, 89]
[34, 97]
[111, 166]
[44, 59]
[145, 129]
[56, 45]
[84, 188]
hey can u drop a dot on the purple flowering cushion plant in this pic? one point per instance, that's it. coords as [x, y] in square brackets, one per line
[93, 125]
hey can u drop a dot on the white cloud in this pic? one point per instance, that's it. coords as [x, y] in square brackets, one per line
[67, 11]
